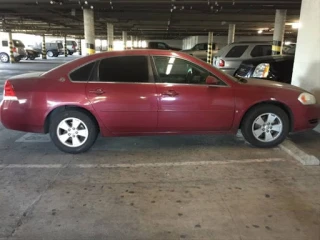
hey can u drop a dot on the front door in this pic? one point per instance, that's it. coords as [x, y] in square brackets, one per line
[186, 103]
[124, 95]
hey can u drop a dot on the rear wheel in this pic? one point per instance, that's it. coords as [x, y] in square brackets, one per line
[73, 131]
[50, 54]
[4, 57]
[265, 126]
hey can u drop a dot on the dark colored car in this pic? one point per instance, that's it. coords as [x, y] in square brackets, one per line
[161, 45]
[276, 68]
[151, 92]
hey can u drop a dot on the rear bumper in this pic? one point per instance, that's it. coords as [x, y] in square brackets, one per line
[15, 117]
[306, 117]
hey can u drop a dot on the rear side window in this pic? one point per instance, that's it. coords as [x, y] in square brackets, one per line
[83, 73]
[261, 50]
[236, 51]
[124, 69]
[5, 44]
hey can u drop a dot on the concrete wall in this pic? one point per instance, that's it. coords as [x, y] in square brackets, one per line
[306, 70]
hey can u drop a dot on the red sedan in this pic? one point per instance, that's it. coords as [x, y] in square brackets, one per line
[151, 92]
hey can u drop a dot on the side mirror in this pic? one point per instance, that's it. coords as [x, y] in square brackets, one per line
[210, 80]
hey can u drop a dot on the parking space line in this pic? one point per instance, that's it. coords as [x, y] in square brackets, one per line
[138, 165]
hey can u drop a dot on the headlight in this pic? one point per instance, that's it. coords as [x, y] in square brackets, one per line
[261, 71]
[307, 99]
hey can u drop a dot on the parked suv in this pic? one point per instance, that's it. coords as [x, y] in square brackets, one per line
[18, 51]
[71, 46]
[161, 45]
[54, 49]
[200, 50]
[229, 58]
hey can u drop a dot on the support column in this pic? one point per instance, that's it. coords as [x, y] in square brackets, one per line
[124, 39]
[79, 47]
[110, 36]
[65, 46]
[131, 42]
[278, 34]
[44, 50]
[89, 35]
[209, 52]
[11, 48]
[306, 70]
[231, 33]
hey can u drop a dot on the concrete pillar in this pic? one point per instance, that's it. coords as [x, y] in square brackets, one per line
[209, 52]
[278, 34]
[306, 70]
[231, 33]
[137, 41]
[79, 47]
[44, 49]
[12, 60]
[65, 46]
[131, 42]
[89, 35]
[110, 36]
[124, 39]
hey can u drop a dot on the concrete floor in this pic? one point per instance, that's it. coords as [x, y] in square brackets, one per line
[178, 187]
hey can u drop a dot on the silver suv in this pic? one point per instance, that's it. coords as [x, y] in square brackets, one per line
[18, 51]
[229, 58]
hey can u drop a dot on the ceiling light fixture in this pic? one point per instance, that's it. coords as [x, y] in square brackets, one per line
[260, 31]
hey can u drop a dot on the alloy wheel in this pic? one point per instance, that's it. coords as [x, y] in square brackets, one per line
[72, 132]
[267, 127]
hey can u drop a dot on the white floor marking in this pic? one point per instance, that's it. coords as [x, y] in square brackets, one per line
[317, 128]
[138, 165]
[34, 138]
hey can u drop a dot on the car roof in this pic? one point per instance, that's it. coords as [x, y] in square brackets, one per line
[270, 58]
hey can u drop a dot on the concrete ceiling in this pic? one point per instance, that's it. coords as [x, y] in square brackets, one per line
[150, 19]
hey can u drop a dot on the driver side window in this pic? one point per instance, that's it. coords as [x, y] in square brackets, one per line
[175, 70]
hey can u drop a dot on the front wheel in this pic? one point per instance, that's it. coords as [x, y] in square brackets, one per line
[50, 54]
[4, 57]
[265, 126]
[73, 131]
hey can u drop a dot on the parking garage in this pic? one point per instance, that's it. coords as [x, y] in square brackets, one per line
[160, 185]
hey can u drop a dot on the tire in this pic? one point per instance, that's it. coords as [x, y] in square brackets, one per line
[50, 54]
[32, 57]
[56, 55]
[70, 53]
[265, 126]
[4, 58]
[66, 138]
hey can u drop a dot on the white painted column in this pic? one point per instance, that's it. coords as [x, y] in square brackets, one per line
[278, 34]
[124, 39]
[89, 34]
[110, 36]
[231, 33]
[131, 41]
[306, 70]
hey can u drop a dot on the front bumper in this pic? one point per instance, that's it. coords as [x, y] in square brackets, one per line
[306, 117]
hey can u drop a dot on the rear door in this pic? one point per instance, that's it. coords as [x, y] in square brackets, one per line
[123, 94]
[200, 51]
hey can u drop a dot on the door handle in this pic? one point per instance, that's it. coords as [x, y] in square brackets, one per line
[98, 91]
[170, 93]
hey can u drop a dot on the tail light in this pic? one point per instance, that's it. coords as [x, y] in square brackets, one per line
[8, 92]
[221, 63]
[14, 49]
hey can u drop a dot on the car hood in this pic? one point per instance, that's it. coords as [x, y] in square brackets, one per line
[272, 84]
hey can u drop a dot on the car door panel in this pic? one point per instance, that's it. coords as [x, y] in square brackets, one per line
[123, 100]
[188, 106]
[195, 108]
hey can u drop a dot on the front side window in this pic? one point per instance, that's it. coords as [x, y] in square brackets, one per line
[124, 69]
[5, 44]
[161, 46]
[261, 50]
[83, 73]
[175, 70]
[237, 51]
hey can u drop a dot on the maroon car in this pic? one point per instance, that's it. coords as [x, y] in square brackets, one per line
[151, 92]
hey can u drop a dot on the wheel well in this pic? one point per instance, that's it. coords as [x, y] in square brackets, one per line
[284, 107]
[64, 108]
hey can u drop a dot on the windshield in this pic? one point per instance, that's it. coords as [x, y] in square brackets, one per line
[18, 43]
